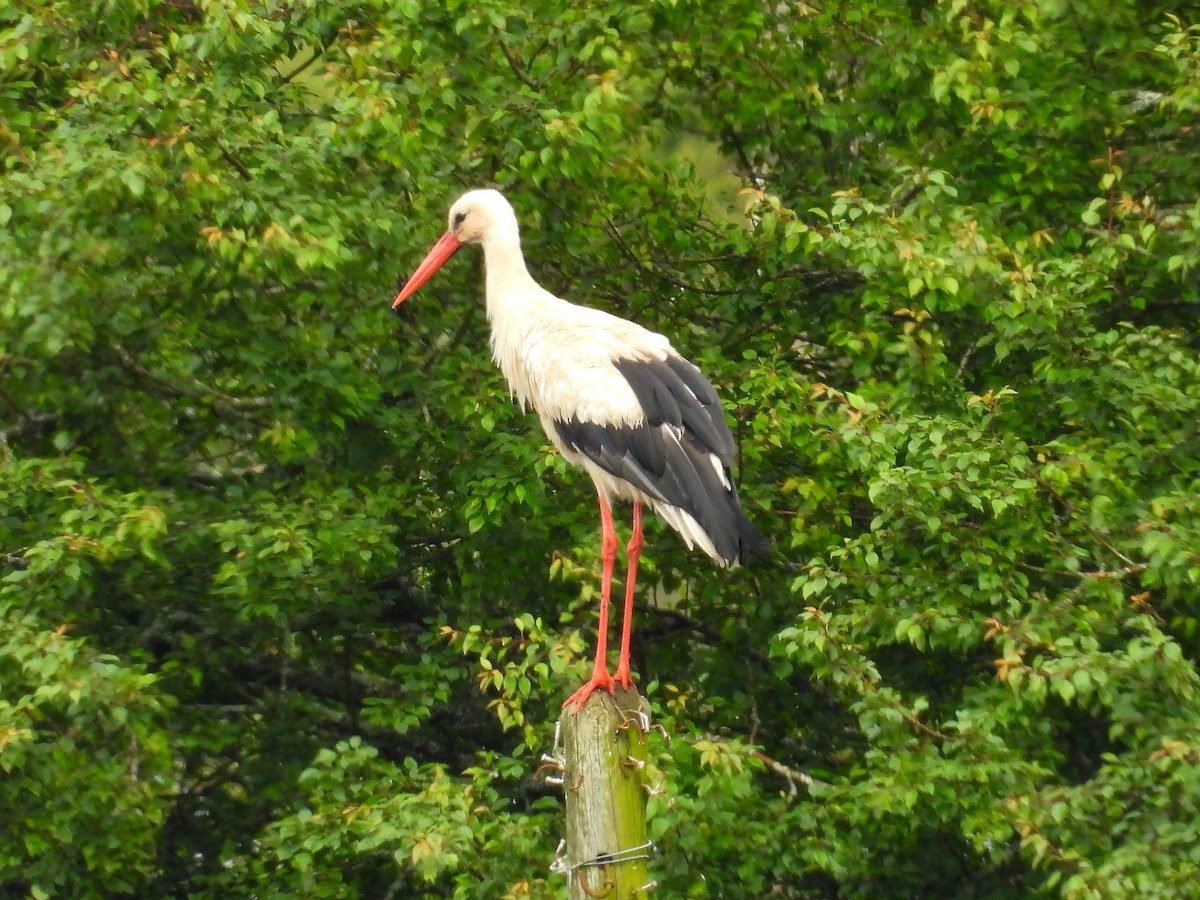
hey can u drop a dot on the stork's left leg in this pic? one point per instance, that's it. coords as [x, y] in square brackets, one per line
[633, 550]
[608, 555]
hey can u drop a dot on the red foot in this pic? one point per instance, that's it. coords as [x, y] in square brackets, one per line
[598, 680]
[622, 677]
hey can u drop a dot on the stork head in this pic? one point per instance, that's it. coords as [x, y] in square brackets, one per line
[477, 217]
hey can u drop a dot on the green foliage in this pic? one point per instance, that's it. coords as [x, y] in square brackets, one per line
[86, 763]
[291, 593]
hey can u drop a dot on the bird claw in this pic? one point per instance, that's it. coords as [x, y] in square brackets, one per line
[622, 677]
[580, 697]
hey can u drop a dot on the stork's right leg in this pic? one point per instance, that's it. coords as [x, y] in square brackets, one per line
[608, 555]
[633, 551]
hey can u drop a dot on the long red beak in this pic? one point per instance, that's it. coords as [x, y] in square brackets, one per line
[445, 248]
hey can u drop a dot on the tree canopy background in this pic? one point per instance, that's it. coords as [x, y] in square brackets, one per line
[291, 592]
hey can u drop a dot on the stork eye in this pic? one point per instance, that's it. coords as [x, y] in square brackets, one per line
[458, 218]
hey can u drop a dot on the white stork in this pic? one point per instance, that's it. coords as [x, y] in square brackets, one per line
[614, 398]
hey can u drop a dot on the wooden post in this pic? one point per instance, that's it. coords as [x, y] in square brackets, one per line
[606, 853]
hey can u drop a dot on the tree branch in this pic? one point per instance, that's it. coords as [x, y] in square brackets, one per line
[517, 70]
[192, 387]
[792, 776]
[649, 269]
[706, 631]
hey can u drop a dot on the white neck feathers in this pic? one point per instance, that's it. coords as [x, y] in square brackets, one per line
[508, 281]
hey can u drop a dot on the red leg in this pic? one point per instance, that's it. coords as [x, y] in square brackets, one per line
[608, 554]
[633, 550]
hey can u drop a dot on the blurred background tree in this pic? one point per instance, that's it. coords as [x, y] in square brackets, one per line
[291, 592]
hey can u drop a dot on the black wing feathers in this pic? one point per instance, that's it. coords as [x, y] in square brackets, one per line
[623, 452]
[674, 392]
[673, 464]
